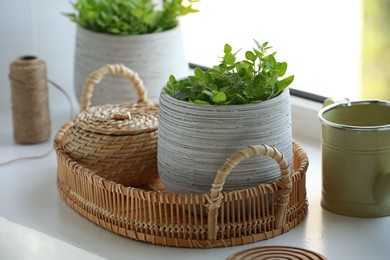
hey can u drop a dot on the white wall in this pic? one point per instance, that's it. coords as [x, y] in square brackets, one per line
[37, 27]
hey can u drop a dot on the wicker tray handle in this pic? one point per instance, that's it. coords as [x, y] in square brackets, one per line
[114, 69]
[215, 197]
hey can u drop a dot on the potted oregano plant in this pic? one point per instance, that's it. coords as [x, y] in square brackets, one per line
[209, 115]
[144, 35]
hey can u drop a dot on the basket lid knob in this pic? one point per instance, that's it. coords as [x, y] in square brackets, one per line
[122, 116]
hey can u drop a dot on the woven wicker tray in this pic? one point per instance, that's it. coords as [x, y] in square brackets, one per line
[221, 219]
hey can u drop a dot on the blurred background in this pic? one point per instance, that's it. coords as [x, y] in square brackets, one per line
[334, 48]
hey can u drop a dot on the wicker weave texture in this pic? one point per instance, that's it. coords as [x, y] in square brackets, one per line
[152, 215]
[119, 141]
[276, 252]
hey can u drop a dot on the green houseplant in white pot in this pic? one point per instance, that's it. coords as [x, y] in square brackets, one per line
[141, 34]
[208, 116]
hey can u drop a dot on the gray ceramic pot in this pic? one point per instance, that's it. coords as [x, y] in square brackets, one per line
[153, 56]
[195, 140]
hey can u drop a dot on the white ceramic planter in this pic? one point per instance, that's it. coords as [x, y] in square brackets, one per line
[195, 140]
[153, 56]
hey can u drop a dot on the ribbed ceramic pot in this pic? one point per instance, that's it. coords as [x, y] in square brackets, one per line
[153, 56]
[195, 140]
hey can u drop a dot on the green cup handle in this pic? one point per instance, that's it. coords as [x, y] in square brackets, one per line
[330, 101]
[381, 189]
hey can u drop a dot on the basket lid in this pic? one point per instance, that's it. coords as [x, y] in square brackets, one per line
[120, 119]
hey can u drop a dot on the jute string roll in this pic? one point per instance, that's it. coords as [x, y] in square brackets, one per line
[71, 111]
[30, 104]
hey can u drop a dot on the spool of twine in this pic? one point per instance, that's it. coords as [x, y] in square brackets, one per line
[30, 101]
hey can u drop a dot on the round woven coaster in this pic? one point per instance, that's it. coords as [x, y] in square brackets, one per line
[276, 252]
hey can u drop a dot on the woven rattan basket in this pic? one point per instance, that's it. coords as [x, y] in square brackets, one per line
[118, 142]
[218, 219]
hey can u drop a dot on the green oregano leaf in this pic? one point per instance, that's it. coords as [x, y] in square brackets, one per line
[207, 77]
[250, 56]
[284, 83]
[220, 97]
[227, 48]
[208, 93]
[171, 79]
[152, 18]
[198, 73]
[229, 58]
[201, 102]
[281, 68]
